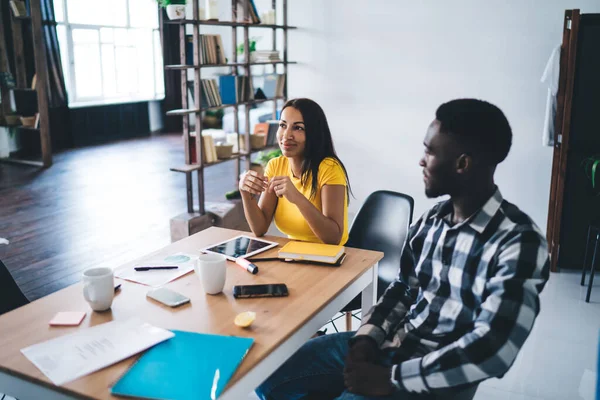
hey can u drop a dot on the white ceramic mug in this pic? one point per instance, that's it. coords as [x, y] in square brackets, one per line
[211, 270]
[99, 288]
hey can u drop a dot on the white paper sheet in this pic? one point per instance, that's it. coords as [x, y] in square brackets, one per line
[157, 278]
[69, 357]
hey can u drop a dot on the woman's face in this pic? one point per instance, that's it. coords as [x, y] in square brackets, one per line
[291, 134]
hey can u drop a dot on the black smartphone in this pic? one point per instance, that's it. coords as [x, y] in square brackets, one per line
[270, 290]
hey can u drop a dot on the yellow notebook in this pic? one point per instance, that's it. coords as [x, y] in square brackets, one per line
[325, 253]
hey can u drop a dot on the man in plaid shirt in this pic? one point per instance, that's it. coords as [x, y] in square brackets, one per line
[467, 293]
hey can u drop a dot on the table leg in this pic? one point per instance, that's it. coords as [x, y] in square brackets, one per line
[369, 294]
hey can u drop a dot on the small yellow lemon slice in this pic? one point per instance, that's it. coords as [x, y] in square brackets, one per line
[245, 319]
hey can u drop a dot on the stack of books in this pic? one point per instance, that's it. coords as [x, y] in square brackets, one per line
[235, 89]
[265, 56]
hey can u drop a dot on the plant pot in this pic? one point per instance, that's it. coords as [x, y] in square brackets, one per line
[28, 121]
[176, 11]
[12, 120]
[242, 57]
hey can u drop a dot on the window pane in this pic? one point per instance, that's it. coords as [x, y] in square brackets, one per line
[158, 66]
[126, 74]
[143, 13]
[109, 74]
[85, 36]
[59, 14]
[95, 12]
[61, 32]
[122, 37]
[143, 44]
[106, 35]
[87, 70]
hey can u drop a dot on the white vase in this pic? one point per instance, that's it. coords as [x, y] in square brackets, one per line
[212, 10]
[176, 11]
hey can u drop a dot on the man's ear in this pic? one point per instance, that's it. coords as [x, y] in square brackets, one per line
[464, 163]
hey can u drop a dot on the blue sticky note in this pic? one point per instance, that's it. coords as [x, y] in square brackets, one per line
[187, 366]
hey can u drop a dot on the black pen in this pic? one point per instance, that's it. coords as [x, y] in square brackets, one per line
[151, 268]
[117, 287]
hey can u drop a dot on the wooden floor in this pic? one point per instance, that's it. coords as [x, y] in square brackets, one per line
[97, 206]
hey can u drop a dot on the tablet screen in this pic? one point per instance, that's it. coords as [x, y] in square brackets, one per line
[241, 246]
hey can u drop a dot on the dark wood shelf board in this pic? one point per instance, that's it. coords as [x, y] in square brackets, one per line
[245, 103]
[182, 112]
[28, 128]
[23, 89]
[187, 168]
[27, 18]
[222, 160]
[226, 23]
[22, 162]
[178, 67]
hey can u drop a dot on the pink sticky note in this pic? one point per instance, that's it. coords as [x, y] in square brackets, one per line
[67, 318]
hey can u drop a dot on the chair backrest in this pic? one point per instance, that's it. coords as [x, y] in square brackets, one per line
[11, 296]
[382, 224]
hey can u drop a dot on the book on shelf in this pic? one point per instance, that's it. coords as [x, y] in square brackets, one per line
[274, 85]
[253, 17]
[189, 49]
[18, 8]
[208, 148]
[209, 152]
[212, 51]
[209, 90]
[235, 89]
[261, 128]
[272, 132]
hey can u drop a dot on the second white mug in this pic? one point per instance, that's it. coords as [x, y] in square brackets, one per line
[212, 271]
[99, 288]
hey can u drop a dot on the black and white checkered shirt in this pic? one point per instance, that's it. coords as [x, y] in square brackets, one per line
[465, 299]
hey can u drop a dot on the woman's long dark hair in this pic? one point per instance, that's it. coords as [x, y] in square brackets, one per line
[319, 144]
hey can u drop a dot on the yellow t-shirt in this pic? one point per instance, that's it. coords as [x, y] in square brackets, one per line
[288, 217]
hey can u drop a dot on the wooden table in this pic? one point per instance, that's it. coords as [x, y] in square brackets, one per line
[282, 325]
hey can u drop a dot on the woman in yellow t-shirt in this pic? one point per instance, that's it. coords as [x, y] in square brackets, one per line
[306, 189]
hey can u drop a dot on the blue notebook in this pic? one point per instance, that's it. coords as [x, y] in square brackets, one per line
[228, 89]
[187, 366]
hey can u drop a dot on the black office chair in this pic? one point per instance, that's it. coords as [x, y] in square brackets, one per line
[11, 296]
[381, 225]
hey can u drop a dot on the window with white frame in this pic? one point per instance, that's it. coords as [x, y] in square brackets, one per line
[110, 50]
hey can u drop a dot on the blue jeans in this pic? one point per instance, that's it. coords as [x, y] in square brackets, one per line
[316, 371]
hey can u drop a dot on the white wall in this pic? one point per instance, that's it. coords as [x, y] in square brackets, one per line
[381, 68]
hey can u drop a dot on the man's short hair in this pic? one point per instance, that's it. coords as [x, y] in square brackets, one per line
[479, 125]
